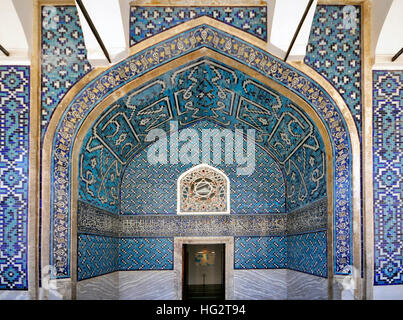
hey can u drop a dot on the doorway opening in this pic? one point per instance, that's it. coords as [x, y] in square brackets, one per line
[203, 271]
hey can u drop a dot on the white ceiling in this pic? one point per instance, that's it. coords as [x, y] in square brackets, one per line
[16, 29]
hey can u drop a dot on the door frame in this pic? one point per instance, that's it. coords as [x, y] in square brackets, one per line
[228, 260]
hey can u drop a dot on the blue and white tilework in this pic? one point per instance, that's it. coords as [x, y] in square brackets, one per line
[64, 56]
[334, 50]
[146, 254]
[14, 153]
[98, 255]
[388, 176]
[151, 188]
[154, 56]
[148, 21]
[308, 253]
[260, 252]
[100, 176]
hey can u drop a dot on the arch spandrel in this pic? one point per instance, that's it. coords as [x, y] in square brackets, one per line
[203, 38]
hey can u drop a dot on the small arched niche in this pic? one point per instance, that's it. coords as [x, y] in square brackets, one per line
[203, 189]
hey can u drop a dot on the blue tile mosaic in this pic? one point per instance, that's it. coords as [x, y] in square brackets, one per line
[151, 188]
[146, 254]
[334, 50]
[14, 154]
[388, 176]
[260, 252]
[99, 255]
[64, 56]
[308, 253]
[230, 99]
[100, 176]
[148, 21]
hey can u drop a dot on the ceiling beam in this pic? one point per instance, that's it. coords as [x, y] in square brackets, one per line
[397, 55]
[298, 29]
[4, 51]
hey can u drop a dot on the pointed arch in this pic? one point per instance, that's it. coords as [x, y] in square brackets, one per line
[100, 88]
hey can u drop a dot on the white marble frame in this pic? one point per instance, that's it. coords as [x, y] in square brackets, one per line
[229, 261]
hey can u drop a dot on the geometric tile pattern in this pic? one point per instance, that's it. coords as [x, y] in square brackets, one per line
[260, 252]
[146, 254]
[312, 217]
[14, 157]
[202, 36]
[151, 188]
[334, 50]
[64, 56]
[308, 253]
[388, 176]
[97, 255]
[148, 21]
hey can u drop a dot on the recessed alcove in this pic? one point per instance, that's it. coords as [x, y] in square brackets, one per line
[274, 201]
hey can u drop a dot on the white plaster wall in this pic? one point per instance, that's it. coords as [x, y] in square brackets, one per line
[394, 292]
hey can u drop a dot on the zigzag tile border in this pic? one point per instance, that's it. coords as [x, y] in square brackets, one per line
[146, 254]
[96, 255]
